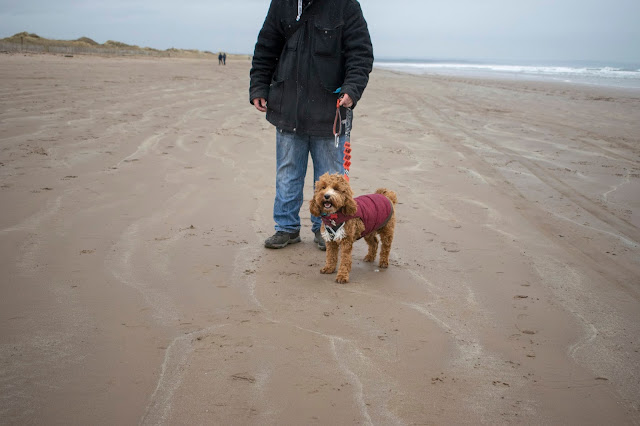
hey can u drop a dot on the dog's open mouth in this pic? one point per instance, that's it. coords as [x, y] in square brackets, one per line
[328, 205]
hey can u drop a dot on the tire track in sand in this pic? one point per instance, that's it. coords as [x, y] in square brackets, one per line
[622, 226]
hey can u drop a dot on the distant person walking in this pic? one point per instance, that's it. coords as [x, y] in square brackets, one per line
[220, 58]
[304, 60]
[224, 59]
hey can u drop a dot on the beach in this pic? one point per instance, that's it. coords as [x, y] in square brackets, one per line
[137, 193]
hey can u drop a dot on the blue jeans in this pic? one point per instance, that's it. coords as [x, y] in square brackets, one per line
[292, 156]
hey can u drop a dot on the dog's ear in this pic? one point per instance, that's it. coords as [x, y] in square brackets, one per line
[350, 207]
[314, 208]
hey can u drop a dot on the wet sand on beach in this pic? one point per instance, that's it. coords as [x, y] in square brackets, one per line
[136, 195]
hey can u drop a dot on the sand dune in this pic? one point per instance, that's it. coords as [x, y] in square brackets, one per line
[136, 194]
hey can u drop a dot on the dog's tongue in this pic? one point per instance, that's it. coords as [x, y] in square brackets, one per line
[327, 205]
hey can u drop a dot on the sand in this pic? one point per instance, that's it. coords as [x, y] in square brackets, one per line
[136, 195]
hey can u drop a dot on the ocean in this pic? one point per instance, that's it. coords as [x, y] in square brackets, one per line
[626, 76]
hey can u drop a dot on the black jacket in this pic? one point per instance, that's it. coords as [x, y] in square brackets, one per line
[298, 66]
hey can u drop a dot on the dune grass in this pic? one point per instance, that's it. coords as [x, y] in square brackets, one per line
[30, 42]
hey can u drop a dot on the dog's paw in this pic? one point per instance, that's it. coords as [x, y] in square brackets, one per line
[342, 279]
[327, 270]
[384, 264]
[368, 258]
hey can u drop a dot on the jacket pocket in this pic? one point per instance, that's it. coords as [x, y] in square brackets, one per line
[327, 41]
[321, 105]
[329, 71]
[274, 100]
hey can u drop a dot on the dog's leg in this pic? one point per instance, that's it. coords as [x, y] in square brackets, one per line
[372, 242]
[346, 246]
[386, 238]
[331, 258]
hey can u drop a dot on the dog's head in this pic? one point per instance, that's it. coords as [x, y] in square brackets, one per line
[332, 194]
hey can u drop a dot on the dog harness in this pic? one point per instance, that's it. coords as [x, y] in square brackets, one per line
[374, 210]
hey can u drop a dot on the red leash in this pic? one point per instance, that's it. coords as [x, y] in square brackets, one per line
[337, 129]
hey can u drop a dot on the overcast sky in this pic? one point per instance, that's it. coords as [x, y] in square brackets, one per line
[510, 30]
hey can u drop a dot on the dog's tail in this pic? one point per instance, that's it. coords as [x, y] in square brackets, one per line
[389, 194]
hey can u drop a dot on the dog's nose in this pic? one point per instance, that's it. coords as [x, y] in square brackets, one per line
[327, 196]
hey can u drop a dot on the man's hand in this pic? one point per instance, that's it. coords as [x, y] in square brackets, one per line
[345, 101]
[260, 104]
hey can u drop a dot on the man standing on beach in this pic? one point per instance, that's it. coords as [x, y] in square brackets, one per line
[306, 58]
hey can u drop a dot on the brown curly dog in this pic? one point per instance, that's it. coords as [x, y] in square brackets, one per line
[346, 219]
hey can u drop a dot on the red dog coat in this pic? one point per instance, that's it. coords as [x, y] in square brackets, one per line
[375, 210]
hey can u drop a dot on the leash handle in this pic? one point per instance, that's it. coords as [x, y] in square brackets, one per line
[348, 123]
[337, 123]
[337, 129]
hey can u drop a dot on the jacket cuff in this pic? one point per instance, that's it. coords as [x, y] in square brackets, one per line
[258, 93]
[347, 90]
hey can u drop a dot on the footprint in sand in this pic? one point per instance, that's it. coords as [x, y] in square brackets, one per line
[39, 151]
[450, 247]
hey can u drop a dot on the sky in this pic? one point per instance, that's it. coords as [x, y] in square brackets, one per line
[505, 30]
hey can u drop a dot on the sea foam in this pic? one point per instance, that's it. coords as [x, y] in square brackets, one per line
[625, 76]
